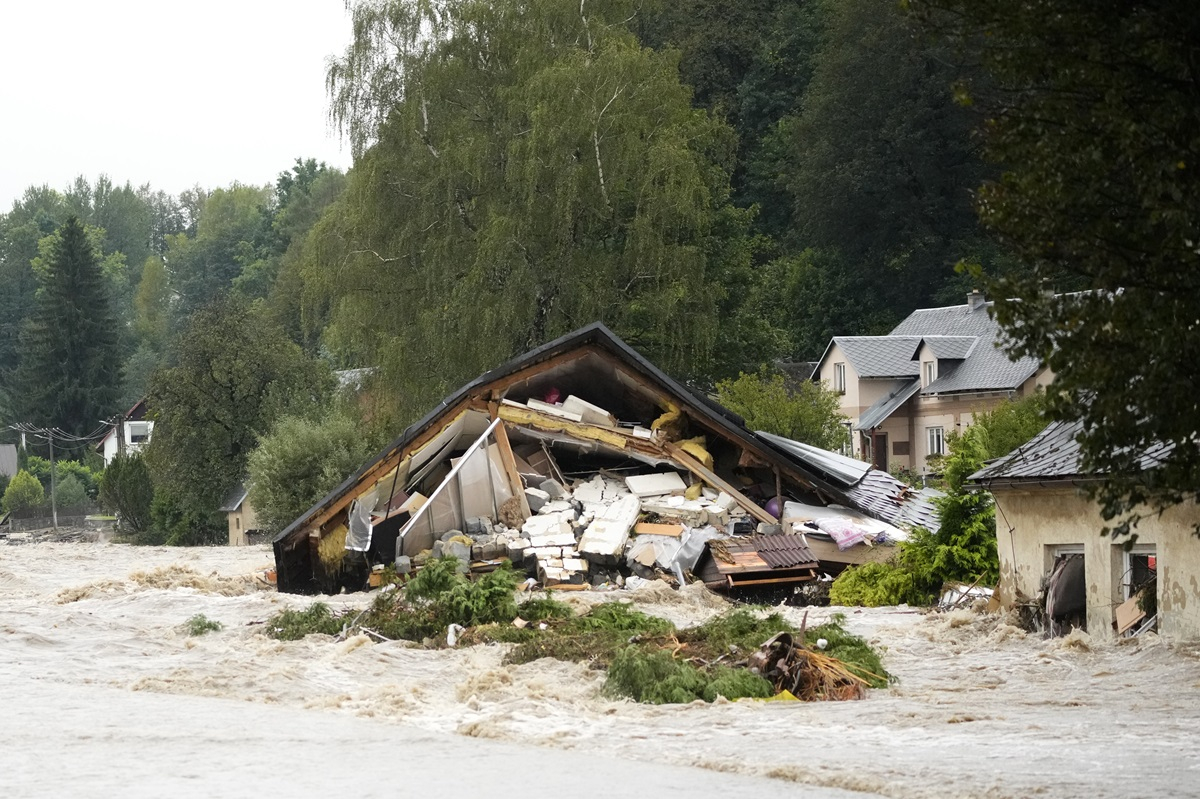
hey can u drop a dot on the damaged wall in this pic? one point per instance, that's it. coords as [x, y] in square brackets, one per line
[1044, 517]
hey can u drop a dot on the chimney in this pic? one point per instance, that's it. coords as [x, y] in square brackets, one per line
[975, 300]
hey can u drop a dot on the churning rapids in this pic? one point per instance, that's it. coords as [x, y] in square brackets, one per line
[103, 694]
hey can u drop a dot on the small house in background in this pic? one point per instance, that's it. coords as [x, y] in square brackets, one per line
[905, 392]
[136, 430]
[1052, 554]
[9, 465]
[243, 525]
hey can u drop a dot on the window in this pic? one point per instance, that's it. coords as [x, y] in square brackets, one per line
[839, 378]
[937, 440]
[928, 372]
[139, 432]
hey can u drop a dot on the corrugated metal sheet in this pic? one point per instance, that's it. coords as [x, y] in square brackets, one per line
[878, 413]
[839, 468]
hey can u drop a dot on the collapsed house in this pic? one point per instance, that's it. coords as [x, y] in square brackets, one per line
[582, 463]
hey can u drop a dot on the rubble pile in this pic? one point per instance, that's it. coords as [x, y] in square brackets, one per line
[584, 465]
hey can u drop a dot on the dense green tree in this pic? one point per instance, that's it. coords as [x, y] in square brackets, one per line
[126, 490]
[530, 169]
[1093, 113]
[36, 215]
[300, 461]
[69, 375]
[232, 234]
[883, 163]
[807, 412]
[23, 492]
[235, 372]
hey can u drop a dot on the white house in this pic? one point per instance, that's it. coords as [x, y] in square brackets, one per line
[136, 430]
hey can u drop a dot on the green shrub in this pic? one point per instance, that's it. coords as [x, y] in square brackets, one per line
[126, 490]
[807, 412]
[299, 461]
[69, 492]
[543, 608]
[655, 677]
[200, 625]
[873, 585]
[23, 492]
[292, 625]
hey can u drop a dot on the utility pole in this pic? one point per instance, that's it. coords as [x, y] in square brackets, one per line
[53, 480]
[120, 431]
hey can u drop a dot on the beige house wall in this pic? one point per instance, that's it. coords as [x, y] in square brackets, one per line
[1043, 518]
[240, 521]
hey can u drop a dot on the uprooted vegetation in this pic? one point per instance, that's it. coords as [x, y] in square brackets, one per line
[740, 653]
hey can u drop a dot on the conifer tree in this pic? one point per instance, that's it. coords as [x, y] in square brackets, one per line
[69, 375]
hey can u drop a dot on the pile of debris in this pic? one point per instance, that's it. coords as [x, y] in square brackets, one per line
[583, 464]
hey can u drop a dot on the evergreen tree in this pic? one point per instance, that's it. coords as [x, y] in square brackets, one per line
[69, 375]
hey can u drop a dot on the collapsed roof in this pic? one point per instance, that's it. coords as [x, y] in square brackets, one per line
[582, 405]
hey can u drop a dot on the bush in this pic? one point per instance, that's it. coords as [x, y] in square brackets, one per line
[126, 490]
[69, 492]
[23, 492]
[292, 625]
[873, 585]
[175, 524]
[808, 413]
[656, 677]
[200, 625]
[299, 462]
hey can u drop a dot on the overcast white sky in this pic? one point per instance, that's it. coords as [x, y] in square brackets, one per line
[164, 92]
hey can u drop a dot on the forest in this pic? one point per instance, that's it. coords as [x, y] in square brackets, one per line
[725, 186]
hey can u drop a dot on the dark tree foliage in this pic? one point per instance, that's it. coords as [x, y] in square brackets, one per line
[1094, 112]
[883, 164]
[126, 490]
[235, 373]
[70, 374]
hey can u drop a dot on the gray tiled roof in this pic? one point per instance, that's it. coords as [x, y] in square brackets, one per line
[953, 320]
[234, 499]
[880, 356]
[987, 369]
[984, 367]
[950, 347]
[1052, 454]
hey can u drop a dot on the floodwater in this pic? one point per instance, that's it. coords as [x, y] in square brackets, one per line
[103, 692]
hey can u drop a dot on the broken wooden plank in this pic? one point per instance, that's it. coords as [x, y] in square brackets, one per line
[509, 460]
[649, 528]
[695, 467]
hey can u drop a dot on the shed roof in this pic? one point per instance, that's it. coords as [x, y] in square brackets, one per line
[8, 460]
[1051, 455]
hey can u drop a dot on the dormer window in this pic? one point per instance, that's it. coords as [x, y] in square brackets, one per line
[928, 373]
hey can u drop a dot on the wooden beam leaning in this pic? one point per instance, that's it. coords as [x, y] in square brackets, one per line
[504, 446]
[713, 479]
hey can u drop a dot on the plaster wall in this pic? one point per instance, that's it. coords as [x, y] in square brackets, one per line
[1032, 522]
[240, 521]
